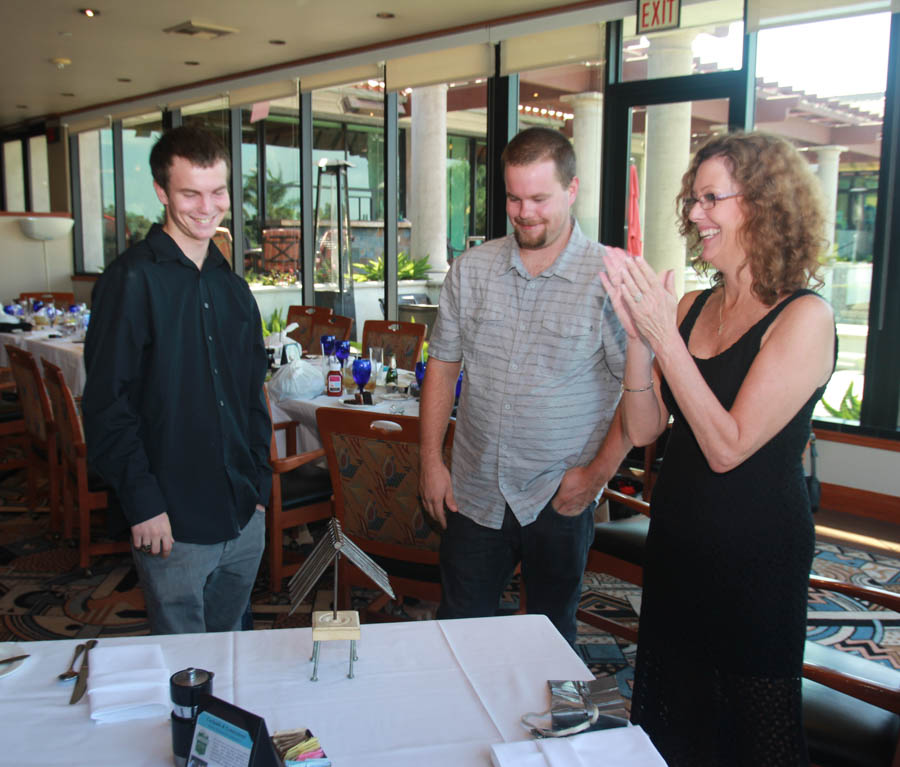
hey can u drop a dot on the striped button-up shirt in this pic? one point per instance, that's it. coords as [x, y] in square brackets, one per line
[543, 358]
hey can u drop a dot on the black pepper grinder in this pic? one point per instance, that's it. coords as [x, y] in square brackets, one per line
[185, 688]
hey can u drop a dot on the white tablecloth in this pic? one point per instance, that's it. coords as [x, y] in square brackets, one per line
[303, 411]
[436, 693]
[66, 354]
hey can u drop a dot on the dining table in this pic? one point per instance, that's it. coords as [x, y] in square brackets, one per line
[437, 693]
[66, 352]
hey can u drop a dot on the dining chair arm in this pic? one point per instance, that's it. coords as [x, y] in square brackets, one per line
[290, 435]
[627, 500]
[866, 690]
[883, 597]
[282, 465]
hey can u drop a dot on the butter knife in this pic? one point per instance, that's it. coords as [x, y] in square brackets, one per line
[81, 682]
[14, 658]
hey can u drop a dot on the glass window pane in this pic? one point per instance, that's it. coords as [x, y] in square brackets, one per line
[40, 174]
[250, 186]
[14, 175]
[142, 206]
[832, 107]
[709, 39]
[97, 230]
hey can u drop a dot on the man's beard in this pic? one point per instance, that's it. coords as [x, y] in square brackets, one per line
[534, 242]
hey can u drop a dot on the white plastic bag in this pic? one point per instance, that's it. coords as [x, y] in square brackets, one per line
[297, 380]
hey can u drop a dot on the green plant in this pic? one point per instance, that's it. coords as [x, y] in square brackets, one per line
[275, 324]
[407, 268]
[849, 407]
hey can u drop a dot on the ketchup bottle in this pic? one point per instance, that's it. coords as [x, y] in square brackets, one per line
[334, 381]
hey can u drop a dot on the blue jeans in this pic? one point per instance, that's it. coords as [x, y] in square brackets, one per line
[477, 563]
[202, 587]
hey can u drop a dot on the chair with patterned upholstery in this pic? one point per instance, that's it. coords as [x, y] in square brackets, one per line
[336, 326]
[40, 430]
[851, 705]
[89, 492]
[401, 340]
[374, 463]
[306, 317]
[301, 493]
[281, 249]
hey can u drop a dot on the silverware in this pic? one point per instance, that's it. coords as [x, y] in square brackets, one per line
[70, 674]
[81, 682]
[13, 659]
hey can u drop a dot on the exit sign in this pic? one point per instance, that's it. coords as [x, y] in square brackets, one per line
[657, 15]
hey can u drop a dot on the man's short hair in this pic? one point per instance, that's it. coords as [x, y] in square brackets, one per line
[197, 145]
[537, 144]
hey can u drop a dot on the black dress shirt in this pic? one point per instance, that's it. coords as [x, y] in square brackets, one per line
[174, 412]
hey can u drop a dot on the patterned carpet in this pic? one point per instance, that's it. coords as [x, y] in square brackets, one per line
[44, 595]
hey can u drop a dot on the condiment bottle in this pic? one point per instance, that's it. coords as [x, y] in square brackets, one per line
[334, 380]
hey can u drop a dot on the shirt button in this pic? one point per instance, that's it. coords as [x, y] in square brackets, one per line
[209, 337]
[216, 371]
[221, 403]
[515, 366]
[507, 406]
[205, 305]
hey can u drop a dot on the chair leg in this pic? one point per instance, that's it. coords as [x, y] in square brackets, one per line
[68, 510]
[31, 475]
[84, 524]
[53, 477]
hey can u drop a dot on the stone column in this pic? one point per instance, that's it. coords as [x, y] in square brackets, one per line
[587, 133]
[668, 143]
[828, 164]
[428, 200]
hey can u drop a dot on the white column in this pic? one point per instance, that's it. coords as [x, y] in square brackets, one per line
[668, 140]
[428, 201]
[829, 158]
[587, 133]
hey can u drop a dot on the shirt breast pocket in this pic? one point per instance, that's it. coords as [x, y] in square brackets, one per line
[485, 334]
[568, 342]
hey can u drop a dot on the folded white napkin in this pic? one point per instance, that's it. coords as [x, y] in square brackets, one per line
[128, 682]
[619, 747]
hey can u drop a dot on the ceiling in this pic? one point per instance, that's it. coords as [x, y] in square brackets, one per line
[123, 53]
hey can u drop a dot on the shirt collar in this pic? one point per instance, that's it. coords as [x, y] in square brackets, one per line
[565, 265]
[166, 249]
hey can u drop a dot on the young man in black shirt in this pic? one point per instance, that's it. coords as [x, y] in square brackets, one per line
[174, 411]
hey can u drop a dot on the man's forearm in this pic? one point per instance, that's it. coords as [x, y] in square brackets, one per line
[436, 406]
[612, 451]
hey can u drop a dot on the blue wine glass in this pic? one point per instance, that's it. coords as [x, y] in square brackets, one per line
[362, 370]
[327, 345]
[420, 373]
[459, 384]
[342, 351]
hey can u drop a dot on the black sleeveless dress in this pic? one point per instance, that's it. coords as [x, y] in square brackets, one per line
[723, 612]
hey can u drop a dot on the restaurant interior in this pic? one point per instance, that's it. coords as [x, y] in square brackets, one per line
[365, 145]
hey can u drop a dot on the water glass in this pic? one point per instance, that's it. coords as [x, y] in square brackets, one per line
[376, 355]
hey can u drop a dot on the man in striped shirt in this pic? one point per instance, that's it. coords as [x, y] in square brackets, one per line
[537, 436]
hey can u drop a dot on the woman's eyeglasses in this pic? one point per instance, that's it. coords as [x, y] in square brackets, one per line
[707, 201]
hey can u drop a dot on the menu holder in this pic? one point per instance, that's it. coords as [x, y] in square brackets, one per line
[227, 736]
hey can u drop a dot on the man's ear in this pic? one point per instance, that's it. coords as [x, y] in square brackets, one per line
[573, 190]
[161, 194]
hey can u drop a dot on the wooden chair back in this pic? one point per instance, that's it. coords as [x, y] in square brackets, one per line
[401, 340]
[12, 425]
[374, 463]
[57, 297]
[335, 325]
[70, 433]
[281, 249]
[222, 240]
[306, 317]
[40, 429]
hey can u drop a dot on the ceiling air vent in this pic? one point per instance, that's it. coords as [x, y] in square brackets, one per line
[200, 30]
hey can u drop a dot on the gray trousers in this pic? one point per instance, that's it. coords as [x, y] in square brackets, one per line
[202, 587]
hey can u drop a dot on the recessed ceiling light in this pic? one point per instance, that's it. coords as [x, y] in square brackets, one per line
[67, 94]
[385, 15]
[192, 63]
[277, 42]
[89, 12]
[21, 106]
[124, 79]
[535, 95]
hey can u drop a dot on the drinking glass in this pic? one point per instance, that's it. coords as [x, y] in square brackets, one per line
[327, 345]
[420, 373]
[342, 351]
[362, 369]
[376, 354]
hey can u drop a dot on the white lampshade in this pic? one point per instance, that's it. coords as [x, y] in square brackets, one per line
[46, 227]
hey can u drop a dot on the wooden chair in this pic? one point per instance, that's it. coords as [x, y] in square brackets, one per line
[374, 463]
[851, 706]
[13, 440]
[336, 326]
[281, 249]
[57, 298]
[89, 491]
[301, 493]
[401, 340]
[40, 430]
[222, 240]
[306, 317]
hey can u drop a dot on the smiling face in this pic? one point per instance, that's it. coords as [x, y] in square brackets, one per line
[196, 201]
[538, 204]
[720, 226]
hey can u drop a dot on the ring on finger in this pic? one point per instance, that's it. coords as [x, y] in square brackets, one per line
[637, 297]
[146, 548]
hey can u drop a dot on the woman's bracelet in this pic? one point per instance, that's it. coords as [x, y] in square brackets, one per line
[648, 387]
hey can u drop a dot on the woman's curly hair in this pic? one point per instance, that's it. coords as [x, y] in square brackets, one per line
[784, 223]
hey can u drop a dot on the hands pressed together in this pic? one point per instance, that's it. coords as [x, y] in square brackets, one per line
[645, 304]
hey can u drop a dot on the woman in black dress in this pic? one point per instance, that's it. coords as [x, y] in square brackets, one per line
[740, 368]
